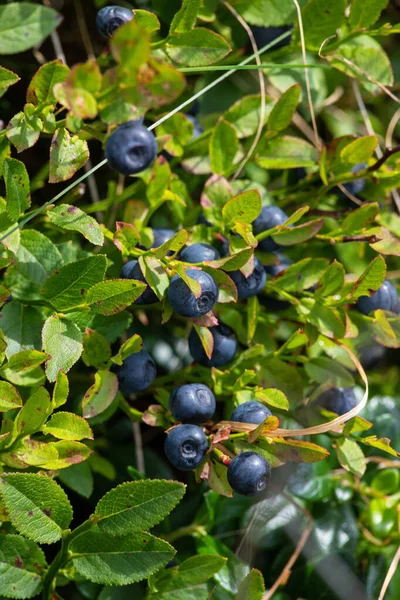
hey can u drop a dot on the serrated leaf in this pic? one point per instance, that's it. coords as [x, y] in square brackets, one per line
[18, 193]
[114, 295]
[231, 262]
[282, 113]
[298, 234]
[365, 14]
[78, 478]
[126, 237]
[74, 219]
[40, 90]
[60, 391]
[96, 349]
[147, 20]
[9, 397]
[38, 507]
[224, 146]
[286, 152]
[37, 256]
[137, 505]
[23, 131]
[25, 360]
[24, 25]
[196, 48]
[302, 275]
[380, 443]
[194, 570]
[245, 116]
[155, 275]
[22, 326]
[100, 395]
[68, 453]
[118, 559]
[63, 341]
[185, 19]
[351, 457]
[7, 78]
[67, 155]
[297, 451]
[34, 412]
[67, 288]
[244, 207]
[321, 19]
[131, 346]
[325, 370]
[332, 280]
[252, 587]
[67, 426]
[21, 567]
[273, 397]
[370, 280]
[265, 13]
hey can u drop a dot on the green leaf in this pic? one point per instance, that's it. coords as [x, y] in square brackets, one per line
[60, 391]
[332, 280]
[22, 326]
[7, 78]
[381, 443]
[68, 453]
[298, 234]
[360, 150]
[365, 14]
[126, 237]
[302, 275]
[118, 559]
[325, 370]
[185, 19]
[130, 46]
[37, 256]
[252, 587]
[74, 219]
[147, 20]
[40, 90]
[9, 397]
[21, 567]
[284, 109]
[286, 152]
[67, 426]
[63, 341]
[231, 262]
[175, 244]
[244, 207]
[131, 346]
[24, 130]
[112, 296]
[245, 116]
[194, 570]
[351, 457]
[78, 478]
[96, 349]
[273, 397]
[67, 288]
[67, 155]
[155, 275]
[38, 507]
[26, 360]
[24, 25]
[197, 47]
[17, 188]
[267, 13]
[137, 505]
[34, 413]
[100, 395]
[370, 280]
[321, 19]
[224, 146]
[297, 451]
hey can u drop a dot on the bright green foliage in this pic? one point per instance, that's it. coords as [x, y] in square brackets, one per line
[21, 564]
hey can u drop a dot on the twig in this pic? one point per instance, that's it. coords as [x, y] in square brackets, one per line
[285, 574]
[385, 156]
[262, 89]
[389, 574]
[391, 127]
[84, 30]
[137, 436]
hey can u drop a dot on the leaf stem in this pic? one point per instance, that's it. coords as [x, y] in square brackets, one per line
[252, 67]
[194, 530]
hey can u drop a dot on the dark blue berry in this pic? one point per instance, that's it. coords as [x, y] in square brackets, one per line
[186, 447]
[197, 128]
[109, 18]
[385, 298]
[266, 35]
[283, 262]
[203, 221]
[161, 235]
[270, 216]
[184, 302]
[337, 400]
[251, 285]
[193, 403]
[131, 148]
[249, 473]
[198, 253]
[137, 373]
[225, 346]
[353, 187]
[250, 412]
[132, 270]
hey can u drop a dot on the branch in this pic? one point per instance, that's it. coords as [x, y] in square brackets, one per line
[386, 155]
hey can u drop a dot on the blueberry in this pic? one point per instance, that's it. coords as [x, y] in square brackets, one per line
[184, 302]
[198, 253]
[197, 128]
[249, 473]
[137, 373]
[270, 216]
[353, 187]
[266, 35]
[251, 285]
[385, 298]
[251, 412]
[161, 235]
[193, 403]
[337, 400]
[283, 263]
[273, 304]
[186, 447]
[131, 148]
[371, 355]
[203, 221]
[109, 18]
[225, 346]
[132, 270]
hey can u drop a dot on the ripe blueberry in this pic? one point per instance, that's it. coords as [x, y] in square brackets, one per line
[337, 400]
[184, 302]
[137, 373]
[283, 263]
[109, 18]
[249, 473]
[193, 403]
[198, 253]
[384, 298]
[251, 412]
[270, 216]
[186, 447]
[225, 346]
[131, 148]
[252, 285]
[161, 235]
[132, 270]
[197, 128]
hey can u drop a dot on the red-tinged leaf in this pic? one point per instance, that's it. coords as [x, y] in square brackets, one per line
[270, 424]
[126, 237]
[173, 245]
[227, 289]
[206, 339]
[154, 416]
[231, 262]
[221, 434]
[100, 395]
[192, 284]
[297, 450]
[208, 320]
